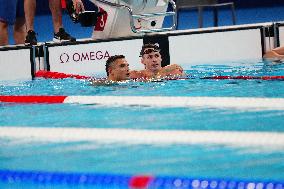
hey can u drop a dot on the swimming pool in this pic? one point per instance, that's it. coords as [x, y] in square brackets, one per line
[219, 160]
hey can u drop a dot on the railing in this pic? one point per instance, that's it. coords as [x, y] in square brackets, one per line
[133, 16]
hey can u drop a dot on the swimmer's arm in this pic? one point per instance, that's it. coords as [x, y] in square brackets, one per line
[273, 54]
[279, 51]
[173, 69]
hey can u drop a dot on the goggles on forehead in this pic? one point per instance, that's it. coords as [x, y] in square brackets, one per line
[150, 49]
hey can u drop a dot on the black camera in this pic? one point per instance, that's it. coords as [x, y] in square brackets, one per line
[86, 18]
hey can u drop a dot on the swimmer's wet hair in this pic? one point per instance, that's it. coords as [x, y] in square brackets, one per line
[155, 48]
[111, 59]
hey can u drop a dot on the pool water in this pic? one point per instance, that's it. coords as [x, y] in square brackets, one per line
[182, 160]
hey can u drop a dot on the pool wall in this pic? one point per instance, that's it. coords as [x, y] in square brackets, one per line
[184, 47]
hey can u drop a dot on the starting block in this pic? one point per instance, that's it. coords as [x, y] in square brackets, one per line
[132, 17]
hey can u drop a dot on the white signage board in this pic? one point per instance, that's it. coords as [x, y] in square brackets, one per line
[281, 36]
[15, 64]
[215, 47]
[89, 59]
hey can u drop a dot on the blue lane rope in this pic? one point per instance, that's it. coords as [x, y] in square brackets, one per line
[129, 181]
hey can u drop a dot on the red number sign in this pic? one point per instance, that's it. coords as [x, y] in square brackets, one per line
[100, 25]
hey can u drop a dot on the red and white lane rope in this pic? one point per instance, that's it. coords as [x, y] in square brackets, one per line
[245, 77]
[242, 103]
[58, 75]
[135, 136]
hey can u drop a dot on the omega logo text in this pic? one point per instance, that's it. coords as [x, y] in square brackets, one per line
[84, 56]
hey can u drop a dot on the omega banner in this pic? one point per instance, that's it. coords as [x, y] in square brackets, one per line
[219, 47]
[89, 59]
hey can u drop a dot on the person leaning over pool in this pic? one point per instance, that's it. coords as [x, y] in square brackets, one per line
[152, 60]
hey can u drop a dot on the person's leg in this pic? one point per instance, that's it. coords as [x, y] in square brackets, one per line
[3, 33]
[55, 8]
[19, 26]
[20, 31]
[30, 9]
[60, 34]
[7, 17]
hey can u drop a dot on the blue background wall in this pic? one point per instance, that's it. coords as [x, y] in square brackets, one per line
[255, 3]
[42, 5]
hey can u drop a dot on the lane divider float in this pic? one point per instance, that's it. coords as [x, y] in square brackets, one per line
[45, 179]
[244, 77]
[58, 75]
[156, 101]
[139, 136]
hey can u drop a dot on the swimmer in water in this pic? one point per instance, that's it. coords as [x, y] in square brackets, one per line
[117, 69]
[152, 60]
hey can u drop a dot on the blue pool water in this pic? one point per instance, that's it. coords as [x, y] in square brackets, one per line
[195, 161]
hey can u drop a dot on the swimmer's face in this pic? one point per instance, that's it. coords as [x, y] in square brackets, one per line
[152, 60]
[119, 70]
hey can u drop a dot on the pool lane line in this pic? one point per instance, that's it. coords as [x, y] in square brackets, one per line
[242, 103]
[32, 99]
[59, 75]
[126, 181]
[139, 136]
[244, 77]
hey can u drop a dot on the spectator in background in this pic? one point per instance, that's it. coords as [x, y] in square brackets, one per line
[12, 14]
[60, 34]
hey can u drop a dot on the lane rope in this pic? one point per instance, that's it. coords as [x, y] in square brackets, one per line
[156, 101]
[58, 75]
[32, 99]
[137, 136]
[130, 181]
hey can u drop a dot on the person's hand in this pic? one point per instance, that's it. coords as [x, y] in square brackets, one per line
[171, 70]
[78, 6]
